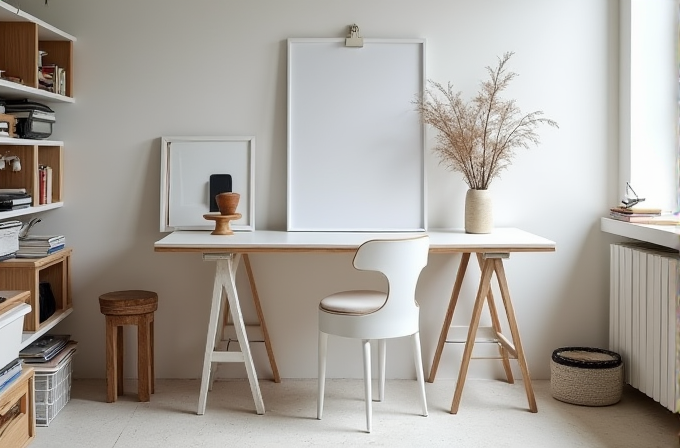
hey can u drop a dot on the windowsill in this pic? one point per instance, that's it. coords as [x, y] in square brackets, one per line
[668, 236]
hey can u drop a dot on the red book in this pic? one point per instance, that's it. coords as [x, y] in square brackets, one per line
[42, 185]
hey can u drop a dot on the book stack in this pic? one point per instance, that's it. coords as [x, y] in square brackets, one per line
[52, 78]
[44, 349]
[14, 198]
[38, 246]
[639, 215]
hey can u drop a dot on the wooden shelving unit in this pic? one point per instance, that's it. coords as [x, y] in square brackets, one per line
[25, 274]
[22, 37]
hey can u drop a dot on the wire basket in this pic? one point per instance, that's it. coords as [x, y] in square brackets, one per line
[52, 392]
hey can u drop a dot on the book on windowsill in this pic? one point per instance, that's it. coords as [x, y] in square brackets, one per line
[662, 219]
[637, 211]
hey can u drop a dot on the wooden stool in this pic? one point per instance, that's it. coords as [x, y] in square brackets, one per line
[129, 308]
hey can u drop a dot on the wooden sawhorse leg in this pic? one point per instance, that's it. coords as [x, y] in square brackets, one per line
[260, 318]
[462, 268]
[261, 322]
[225, 276]
[489, 263]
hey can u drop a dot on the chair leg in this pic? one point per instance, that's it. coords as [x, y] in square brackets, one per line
[419, 371]
[382, 356]
[367, 382]
[323, 343]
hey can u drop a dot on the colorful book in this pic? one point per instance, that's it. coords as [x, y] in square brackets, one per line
[665, 219]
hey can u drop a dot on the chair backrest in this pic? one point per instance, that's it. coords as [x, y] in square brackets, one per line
[401, 261]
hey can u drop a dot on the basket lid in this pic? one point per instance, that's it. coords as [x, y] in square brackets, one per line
[587, 357]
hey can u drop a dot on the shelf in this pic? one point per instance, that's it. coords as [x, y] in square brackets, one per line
[30, 210]
[9, 13]
[22, 36]
[7, 141]
[28, 337]
[668, 236]
[15, 91]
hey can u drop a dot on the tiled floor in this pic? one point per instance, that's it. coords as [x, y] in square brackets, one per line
[492, 414]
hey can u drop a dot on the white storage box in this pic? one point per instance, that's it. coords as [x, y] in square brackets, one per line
[11, 325]
[9, 237]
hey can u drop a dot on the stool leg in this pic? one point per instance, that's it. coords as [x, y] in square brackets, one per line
[153, 357]
[143, 355]
[111, 393]
[120, 351]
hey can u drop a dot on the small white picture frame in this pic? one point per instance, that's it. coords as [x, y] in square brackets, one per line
[186, 166]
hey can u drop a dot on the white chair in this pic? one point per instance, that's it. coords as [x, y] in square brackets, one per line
[378, 315]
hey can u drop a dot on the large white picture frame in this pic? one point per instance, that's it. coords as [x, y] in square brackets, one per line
[356, 144]
[186, 166]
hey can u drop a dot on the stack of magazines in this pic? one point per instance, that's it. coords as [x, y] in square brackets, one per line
[38, 246]
[45, 348]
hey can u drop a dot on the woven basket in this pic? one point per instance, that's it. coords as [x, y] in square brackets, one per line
[586, 376]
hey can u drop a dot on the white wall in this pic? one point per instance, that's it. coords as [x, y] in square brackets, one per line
[218, 67]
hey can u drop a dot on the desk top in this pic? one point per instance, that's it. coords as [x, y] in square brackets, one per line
[441, 241]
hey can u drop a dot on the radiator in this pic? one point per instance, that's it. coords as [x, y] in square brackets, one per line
[644, 319]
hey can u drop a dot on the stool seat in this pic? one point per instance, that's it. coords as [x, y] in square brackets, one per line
[130, 307]
[122, 303]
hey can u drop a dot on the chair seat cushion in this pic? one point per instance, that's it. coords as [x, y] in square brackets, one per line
[354, 303]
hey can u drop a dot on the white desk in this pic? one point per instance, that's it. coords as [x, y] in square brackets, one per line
[227, 251]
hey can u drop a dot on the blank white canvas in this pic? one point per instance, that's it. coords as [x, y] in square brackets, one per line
[355, 141]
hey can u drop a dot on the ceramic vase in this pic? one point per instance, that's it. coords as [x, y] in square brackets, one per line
[227, 202]
[478, 211]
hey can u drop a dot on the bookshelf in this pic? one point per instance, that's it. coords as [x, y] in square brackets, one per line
[22, 36]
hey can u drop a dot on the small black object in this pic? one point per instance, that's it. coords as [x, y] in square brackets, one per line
[48, 304]
[628, 202]
[219, 183]
[2, 299]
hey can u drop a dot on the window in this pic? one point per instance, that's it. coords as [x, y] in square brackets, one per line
[649, 100]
